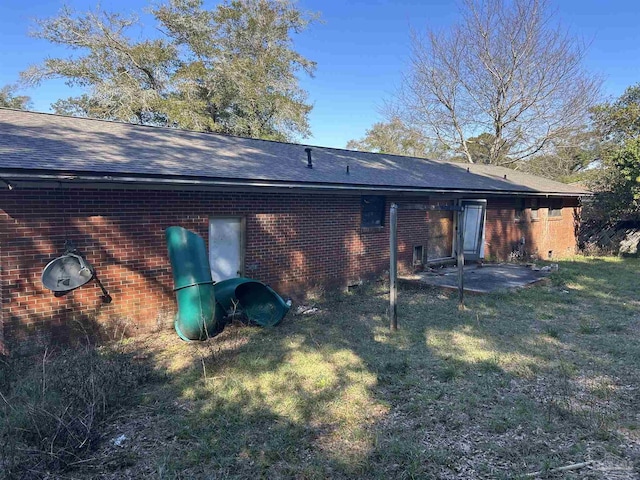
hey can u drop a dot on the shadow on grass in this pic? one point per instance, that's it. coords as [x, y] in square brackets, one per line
[513, 384]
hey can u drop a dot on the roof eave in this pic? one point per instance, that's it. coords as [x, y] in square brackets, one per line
[110, 179]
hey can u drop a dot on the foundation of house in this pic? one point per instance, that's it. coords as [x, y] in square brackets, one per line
[485, 278]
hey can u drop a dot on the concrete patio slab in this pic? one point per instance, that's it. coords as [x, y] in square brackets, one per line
[481, 279]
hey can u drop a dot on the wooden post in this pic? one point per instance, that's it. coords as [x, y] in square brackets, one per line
[393, 267]
[460, 258]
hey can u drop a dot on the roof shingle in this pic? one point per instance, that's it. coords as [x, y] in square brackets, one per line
[46, 142]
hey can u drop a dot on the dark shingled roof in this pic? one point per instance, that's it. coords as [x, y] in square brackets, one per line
[37, 142]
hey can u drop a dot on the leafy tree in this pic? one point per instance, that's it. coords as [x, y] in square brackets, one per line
[242, 66]
[627, 161]
[617, 181]
[393, 137]
[619, 121]
[126, 80]
[230, 70]
[9, 99]
[504, 69]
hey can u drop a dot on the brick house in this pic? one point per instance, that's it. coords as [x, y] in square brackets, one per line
[293, 216]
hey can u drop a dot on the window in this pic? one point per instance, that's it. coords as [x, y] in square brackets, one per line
[373, 211]
[534, 208]
[519, 213]
[555, 207]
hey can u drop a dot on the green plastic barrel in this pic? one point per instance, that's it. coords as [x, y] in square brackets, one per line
[198, 317]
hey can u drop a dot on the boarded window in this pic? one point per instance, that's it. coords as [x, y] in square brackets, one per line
[519, 211]
[555, 207]
[534, 208]
[373, 211]
[439, 234]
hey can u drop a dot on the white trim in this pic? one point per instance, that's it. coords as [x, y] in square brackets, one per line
[484, 220]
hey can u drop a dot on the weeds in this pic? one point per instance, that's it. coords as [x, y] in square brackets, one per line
[551, 331]
[53, 410]
[588, 328]
[615, 327]
[512, 385]
[451, 371]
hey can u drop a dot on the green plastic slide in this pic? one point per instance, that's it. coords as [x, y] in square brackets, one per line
[203, 305]
[260, 304]
[199, 316]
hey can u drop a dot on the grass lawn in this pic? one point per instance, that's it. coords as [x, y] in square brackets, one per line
[520, 382]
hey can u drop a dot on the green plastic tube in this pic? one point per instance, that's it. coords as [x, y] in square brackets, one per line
[226, 292]
[199, 316]
[260, 304]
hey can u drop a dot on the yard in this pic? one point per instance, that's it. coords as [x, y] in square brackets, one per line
[520, 382]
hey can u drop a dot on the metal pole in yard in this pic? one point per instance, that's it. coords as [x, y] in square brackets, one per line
[460, 258]
[393, 267]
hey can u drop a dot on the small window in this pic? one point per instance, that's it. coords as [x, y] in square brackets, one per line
[555, 207]
[373, 211]
[534, 208]
[519, 211]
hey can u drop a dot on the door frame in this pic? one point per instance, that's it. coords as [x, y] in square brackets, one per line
[479, 254]
[243, 237]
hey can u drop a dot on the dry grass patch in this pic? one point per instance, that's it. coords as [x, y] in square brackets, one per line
[519, 382]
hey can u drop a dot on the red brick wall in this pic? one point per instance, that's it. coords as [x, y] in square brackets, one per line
[555, 234]
[294, 242]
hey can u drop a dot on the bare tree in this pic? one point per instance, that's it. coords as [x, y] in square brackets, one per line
[506, 69]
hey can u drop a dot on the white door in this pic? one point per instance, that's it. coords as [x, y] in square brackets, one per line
[474, 215]
[226, 247]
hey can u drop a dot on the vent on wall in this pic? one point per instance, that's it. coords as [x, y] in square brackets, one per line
[417, 255]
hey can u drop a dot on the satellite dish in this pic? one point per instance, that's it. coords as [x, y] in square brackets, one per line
[66, 273]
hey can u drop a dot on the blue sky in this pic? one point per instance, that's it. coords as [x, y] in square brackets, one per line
[361, 48]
